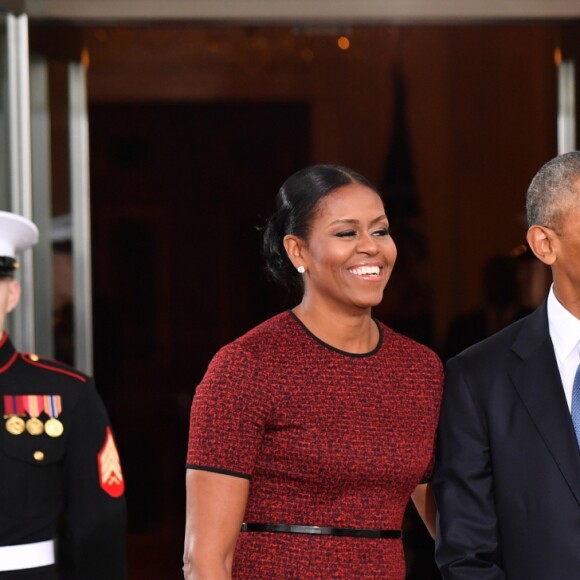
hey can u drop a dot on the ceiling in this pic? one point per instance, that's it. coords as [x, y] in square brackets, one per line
[292, 11]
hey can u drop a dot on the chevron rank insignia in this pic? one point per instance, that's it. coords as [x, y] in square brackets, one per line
[110, 474]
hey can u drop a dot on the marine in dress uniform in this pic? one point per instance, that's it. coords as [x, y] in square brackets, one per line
[61, 483]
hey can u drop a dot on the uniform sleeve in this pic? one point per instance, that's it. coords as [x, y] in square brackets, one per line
[228, 415]
[96, 513]
[467, 545]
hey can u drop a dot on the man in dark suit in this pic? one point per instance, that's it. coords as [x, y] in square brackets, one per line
[507, 482]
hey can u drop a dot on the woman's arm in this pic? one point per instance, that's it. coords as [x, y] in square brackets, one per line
[215, 511]
[424, 501]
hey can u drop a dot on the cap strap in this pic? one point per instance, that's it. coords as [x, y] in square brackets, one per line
[7, 266]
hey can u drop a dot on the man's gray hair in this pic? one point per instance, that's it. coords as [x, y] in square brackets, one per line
[554, 190]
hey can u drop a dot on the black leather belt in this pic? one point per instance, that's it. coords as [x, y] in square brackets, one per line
[348, 532]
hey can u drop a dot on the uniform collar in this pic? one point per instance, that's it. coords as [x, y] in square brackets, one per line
[7, 352]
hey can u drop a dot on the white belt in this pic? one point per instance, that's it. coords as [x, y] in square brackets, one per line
[26, 556]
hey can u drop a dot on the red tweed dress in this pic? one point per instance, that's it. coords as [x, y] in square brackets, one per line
[326, 437]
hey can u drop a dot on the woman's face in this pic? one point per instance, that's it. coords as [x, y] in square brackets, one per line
[349, 255]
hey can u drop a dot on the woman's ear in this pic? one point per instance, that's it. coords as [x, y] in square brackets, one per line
[542, 242]
[294, 247]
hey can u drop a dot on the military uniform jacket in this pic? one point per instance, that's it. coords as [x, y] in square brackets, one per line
[66, 485]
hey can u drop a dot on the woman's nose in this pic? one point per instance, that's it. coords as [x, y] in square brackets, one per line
[367, 244]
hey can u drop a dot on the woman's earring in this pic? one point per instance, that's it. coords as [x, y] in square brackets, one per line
[301, 269]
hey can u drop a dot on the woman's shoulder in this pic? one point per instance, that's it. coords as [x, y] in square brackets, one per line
[270, 335]
[256, 354]
[410, 349]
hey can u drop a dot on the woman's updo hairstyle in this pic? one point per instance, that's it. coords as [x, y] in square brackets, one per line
[296, 204]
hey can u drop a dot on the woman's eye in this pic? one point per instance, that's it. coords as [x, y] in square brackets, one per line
[383, 232]
[346, 234]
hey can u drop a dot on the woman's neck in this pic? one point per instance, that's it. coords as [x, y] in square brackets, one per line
[351, 332]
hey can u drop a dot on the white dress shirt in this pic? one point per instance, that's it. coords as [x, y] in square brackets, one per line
[565, 334]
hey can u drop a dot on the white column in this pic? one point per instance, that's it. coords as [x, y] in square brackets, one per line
[42, 204]
[566, 107]
[81, 217]
[19, 166]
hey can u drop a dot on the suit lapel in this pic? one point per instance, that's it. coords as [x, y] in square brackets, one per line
[536, 378]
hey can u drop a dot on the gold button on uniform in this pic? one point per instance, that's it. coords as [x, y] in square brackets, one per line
[38, 455]
[34, 357]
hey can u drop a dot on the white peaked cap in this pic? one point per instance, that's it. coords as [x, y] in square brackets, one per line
[17, 233]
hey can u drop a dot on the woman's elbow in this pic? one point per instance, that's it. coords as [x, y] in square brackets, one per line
[190, 567]
[199, 564]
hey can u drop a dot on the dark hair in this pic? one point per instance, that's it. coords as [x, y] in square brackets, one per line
[554, 190]
[296, 204]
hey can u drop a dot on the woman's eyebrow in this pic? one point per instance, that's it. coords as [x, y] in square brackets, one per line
[355, 221]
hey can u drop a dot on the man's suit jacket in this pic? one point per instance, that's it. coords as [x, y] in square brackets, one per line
[507, 480]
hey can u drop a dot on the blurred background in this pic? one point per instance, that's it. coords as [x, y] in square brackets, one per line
[188, 128]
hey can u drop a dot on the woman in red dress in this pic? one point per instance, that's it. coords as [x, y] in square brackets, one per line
[310, 433]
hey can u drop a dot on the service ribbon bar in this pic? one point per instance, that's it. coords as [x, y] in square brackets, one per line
[52, 405]
[33, 404]
[14, 405]
[9, 405]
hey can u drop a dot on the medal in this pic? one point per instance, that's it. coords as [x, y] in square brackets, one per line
[33, 405]
[53, 427]
[34, 426]
[53, 407]
[14, 411]
[15, 425]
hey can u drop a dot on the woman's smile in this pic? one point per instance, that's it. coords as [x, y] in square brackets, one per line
[368, 272]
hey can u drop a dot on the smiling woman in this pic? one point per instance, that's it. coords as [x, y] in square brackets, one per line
[310, 433]
[348, 259]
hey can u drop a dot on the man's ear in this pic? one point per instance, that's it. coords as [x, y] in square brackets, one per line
[14, 292]
[294, 247]
[542, 242]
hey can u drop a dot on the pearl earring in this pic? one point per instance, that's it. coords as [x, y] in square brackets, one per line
[301, 269]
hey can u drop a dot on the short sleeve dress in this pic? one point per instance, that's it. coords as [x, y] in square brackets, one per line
[327, 438]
